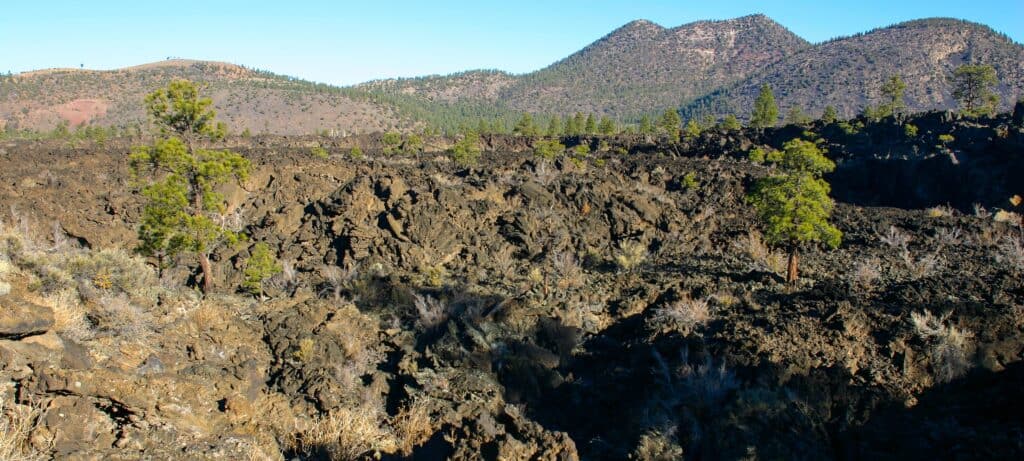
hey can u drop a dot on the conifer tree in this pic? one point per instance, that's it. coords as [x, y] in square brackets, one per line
[794, 204]
[765, 113]
[183, 207]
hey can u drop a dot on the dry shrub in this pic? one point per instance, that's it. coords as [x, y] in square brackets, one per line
[866, 273]
[346, 434]
[431, 311]
[949, 345]
[1007, 217]
[895, 238]
[940, 211]
[754, 246]
[357, 334]
[116, 315]
[631, 255]
[69, 316]
[1011, 252]
[657, 446]
[413, 426]
[684, 315]
[950, 236]
[568, 272]
[922, 267]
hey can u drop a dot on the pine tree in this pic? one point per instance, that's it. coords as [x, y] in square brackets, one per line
[731, 123]
[765, 113]
[590, 127]
[669, 124]
[525, 126]
[260, 266]
[892, 90]
[555, 127]
[794, 204]
[972, 86]
[182, 200]
[829, 115]
[606, 127]
[646, 127]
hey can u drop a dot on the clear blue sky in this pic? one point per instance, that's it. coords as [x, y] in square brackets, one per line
[351, 42]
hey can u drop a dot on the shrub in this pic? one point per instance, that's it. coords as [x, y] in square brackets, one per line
[319, 152]
[631, 255]
[467, 151]
[432, 312]
[356, 153]
[548, 149]
[895, 238]
[684, 315]
[690, 181]
[949, 345]
[910, 130]
[260, 266]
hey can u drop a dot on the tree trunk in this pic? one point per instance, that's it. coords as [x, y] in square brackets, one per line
[204, 263]
[791, 272]
[204, 259]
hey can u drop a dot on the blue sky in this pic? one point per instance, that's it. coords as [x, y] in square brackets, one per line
[351, 42]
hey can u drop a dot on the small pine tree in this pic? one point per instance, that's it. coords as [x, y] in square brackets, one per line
[391, 141]
[606, 126]
[829, 115]
[892, 90]
[794, 204]
[766, 112]
[646, 127]
[548, 150]
[669, 124]
[260, 266]
[467, 151]
[554, 127]
[692, 130]
[731, 123]
[590, 127]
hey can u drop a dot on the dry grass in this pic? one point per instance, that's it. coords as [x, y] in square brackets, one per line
[413, 426]
[568, 272]
[754, 246]
[950, 345]
[16, 425]
[346, 434]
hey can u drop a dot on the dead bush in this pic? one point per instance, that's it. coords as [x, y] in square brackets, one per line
[684, 315]
[949, 346]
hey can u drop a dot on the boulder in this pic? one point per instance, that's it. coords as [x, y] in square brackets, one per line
[20, 318]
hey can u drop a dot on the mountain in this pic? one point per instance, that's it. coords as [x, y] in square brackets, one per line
[245, 99]
[643, 67]
[638, 68]
[848, 72]
[704, 68]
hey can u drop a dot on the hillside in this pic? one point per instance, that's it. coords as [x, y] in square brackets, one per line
[643, 67]
[848, 72]
[705, 67]
[245, 98]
